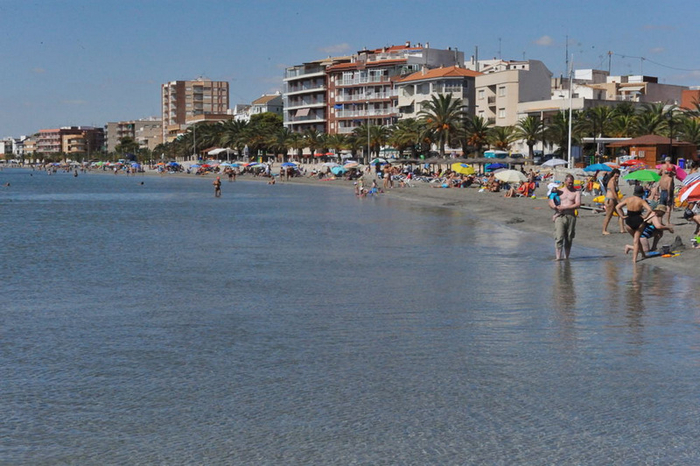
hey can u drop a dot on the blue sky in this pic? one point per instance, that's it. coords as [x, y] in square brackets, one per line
[75, 62]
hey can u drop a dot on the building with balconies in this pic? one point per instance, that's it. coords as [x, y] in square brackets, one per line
[184, 102]
[147, 132]
[363, 90]
[417, 88]
[305, 99]
[72, 141]
[505, 84]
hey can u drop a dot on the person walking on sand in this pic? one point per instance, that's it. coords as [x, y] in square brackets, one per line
[611, 200]
[217, 187]
[565, 222]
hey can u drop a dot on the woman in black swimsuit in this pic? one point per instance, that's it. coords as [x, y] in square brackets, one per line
[634, 218]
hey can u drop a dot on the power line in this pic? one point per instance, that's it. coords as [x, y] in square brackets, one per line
[654, 62]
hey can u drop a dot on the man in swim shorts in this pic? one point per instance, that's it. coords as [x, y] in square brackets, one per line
[565, 223]
[666, 186]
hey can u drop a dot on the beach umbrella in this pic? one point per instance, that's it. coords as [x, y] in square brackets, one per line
[631, 162]
[338, 170]
[555, 162]
[462, 168]
[330, 164]
[611, 164]
[511, 176]
[598, 167]
[289, 164]
[680, 173]
[690, 179]
[351, 165]
[642, 175]
[690, 193]
[378, 160]
[495, 166]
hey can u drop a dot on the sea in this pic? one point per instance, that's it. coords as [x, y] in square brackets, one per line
[144, 321]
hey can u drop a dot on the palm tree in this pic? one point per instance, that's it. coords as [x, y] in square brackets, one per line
[378, 135]
[597, 123]
[363, 136]
[557, 130]
[623, 125]
[690, 131]
[443, 116]
[279, 142]
[313, 140]
[297, 142]
[337, 142]
[476, 130]
[232, 135]
[405, 134]
[651, 119]
[501, 137]
[531, 129]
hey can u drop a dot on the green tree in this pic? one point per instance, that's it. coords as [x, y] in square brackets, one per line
[531, 129]
[501, 137]
[443, 116]
[476, 133]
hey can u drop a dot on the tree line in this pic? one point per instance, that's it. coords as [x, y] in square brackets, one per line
[441, 123]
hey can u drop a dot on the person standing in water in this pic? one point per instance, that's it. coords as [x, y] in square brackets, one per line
[217, 187]
[565, 221]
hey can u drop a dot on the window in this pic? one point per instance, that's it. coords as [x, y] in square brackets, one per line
[502, 91]
[481, 94]
[501, 113]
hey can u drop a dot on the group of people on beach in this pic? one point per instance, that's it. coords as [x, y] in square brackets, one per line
[645, 215]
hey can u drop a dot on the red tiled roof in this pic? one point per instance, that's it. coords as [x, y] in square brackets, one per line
[448, 72]
[370, 64]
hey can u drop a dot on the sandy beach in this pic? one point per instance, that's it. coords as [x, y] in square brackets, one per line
[534, 215]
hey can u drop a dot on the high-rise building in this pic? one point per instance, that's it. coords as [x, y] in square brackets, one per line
[147, 132]
[184, 102]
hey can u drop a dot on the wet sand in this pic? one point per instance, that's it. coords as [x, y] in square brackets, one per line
[534, 215]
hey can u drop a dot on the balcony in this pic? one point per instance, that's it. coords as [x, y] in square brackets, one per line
[364, 113]
[306, 89]
[366, 97]
[362, 80]
[492, 100]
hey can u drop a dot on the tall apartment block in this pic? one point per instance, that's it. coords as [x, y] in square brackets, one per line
[184, 102]
[336, 95]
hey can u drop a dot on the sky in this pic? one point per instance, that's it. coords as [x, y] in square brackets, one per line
[78, 62]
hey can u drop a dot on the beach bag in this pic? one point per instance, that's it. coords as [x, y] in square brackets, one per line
[688, 213]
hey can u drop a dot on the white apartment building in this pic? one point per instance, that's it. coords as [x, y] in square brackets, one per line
[505, 84]
[421, 86]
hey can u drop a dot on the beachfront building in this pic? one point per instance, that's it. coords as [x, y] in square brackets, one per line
[70, 142]
[267, 103]
[363, 90]
[184, 102]
[504, 84]
[147, 132]
[419, 87]
[305, 95]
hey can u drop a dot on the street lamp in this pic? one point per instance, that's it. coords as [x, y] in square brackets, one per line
[571, 93]
[669, 118]
[368, 134]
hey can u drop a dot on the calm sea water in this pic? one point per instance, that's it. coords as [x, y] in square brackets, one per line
[156, 324]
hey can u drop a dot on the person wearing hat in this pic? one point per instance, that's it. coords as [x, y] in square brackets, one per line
[634, 219]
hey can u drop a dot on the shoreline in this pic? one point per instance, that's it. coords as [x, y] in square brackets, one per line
[519, 213]
[535, 216]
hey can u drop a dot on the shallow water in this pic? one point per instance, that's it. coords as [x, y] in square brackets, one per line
[296, 324]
